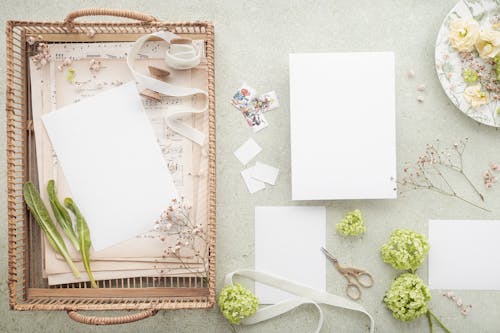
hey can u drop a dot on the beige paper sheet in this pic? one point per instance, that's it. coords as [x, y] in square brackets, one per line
[55, 279]
[137, 254]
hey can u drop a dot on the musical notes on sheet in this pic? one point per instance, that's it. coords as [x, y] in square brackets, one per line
[176, 149]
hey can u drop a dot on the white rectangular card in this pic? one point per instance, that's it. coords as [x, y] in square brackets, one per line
[464, 254]
[252, 184]
[112, 162]
[287, 243]
[247, 151]
[265, 173]
[342, 124]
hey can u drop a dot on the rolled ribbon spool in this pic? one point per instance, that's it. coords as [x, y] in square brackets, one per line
[179, 58]
[182, 56]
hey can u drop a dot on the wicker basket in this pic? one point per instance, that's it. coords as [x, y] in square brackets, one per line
[27, 289]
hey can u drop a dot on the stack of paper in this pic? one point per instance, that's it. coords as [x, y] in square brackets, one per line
[119, 163]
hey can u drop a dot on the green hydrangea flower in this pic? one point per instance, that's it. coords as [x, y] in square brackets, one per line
[352, 224]
[496, 60]
[237, 302]
[469, 75]
[407, 298]
[405, 250]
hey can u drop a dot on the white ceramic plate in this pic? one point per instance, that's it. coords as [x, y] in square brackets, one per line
[449, 66]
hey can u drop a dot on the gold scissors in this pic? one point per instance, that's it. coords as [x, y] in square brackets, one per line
[356, 278]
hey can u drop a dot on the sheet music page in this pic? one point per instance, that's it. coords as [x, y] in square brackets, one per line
[52, 90]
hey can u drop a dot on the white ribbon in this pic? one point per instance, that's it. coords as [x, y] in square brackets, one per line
[179, 56]
[305, 295]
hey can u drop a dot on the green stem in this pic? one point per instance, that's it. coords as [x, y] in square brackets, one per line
[471, 203]
[454, 195]
[472, 185]
[431, 314]
[71, 265]
[431, 325]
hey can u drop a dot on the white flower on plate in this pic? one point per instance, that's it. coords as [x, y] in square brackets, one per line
[488, 43]
[475, 96]
[463, 34]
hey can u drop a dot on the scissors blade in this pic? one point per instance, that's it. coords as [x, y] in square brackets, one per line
[329, 255]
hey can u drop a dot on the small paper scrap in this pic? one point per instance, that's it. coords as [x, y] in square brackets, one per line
[265, 173]
[243, 97]
[253, 185]
[247, 151]
[266, 102]
[255, 119]
[253, 108]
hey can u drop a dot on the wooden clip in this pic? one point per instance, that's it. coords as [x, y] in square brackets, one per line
[181, 41]
[158, 73]
[148, 93]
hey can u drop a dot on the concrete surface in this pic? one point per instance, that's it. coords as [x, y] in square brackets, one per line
[253, 39]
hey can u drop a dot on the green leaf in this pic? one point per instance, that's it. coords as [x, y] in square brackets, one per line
[62, 215]
[42, 217]
[83, 237]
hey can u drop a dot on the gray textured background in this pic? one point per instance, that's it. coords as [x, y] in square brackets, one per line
[253, 39]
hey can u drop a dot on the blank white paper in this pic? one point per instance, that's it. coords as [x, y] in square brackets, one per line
[247, 151]
[342, 124]
[464, 254]
[287, 243]
[112, 162]
[265, 173]
[252, 184]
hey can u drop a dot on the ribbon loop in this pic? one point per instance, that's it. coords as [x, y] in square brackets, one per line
[305, 295]
[179, 56]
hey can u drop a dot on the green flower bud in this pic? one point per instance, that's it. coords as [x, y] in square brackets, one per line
[407, 298]
[405, 250]
[469, 75]
[237, 302]
[352, 224]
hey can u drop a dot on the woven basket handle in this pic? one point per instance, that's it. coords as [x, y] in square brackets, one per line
[108, 12]
[94, 320]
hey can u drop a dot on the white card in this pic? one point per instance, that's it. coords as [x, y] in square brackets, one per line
[247, 151]
[265, 173]
[253, 185]
[342, 124]
[112, 162]
[287, 243]
[464, 254]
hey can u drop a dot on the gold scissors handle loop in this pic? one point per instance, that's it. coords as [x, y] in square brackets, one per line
[364, 279]
[353, 291]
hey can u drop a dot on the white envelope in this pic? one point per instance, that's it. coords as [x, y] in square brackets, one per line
[112, 163]
[342, 124]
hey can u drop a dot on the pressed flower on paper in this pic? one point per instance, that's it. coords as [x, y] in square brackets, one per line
[475, 96]
[463, 34]
[488, 43]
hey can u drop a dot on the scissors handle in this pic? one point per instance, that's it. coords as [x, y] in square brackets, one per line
[364, 279]
[353, 291]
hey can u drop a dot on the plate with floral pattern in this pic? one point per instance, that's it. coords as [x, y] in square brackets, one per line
[468, 59]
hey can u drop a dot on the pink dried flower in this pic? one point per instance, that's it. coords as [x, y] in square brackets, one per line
[95, 66]
[489, 179]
